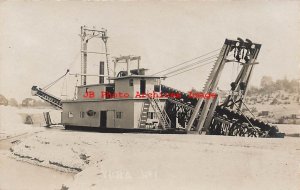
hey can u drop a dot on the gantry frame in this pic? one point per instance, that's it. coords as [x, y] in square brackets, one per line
[245, 53]
[86, 35]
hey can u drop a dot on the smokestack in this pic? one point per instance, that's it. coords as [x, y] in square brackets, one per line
[101, 72]
[84, 61]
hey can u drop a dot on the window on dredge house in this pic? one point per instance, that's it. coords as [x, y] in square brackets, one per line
[156, 85]
[81, 114]
[151, 115]
[143, 86]
[70, 114]
[130, 82]
[119, 115]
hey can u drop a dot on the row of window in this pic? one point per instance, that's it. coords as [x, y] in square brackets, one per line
[82, 114]
[143, 85]
[119, 115]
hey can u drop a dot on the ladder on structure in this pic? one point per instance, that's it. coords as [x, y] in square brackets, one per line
[144, 115]
[162, 115]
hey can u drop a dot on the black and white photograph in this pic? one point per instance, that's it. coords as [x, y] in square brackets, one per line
[147, 95]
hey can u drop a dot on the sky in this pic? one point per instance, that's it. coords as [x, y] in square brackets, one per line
[40, 40]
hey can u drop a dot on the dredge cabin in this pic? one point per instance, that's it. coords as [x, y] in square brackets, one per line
[120, 104]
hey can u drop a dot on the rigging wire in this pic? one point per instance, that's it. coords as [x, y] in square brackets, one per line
[64, 89]
[69, 67]
[192, 64]
[248, 109]
[74, 60]
[186, 61]
[52, 83]
[232, 71]
[75, 91]
[192, 68]
[185, 67]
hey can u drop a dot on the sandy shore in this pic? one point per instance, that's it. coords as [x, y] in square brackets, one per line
[151, 161]
[21, 175]
[145, 161]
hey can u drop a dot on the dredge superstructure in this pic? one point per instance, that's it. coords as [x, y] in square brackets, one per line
[134, 101]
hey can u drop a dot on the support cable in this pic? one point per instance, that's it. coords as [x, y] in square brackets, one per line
[191, 69]
[248, 109]
[52, 83]
[192, 64]
[243, 115]
[186, 62]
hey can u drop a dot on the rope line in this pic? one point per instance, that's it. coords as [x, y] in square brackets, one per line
[52, 83]
[192, 64]
[186, 61]
[192, 68]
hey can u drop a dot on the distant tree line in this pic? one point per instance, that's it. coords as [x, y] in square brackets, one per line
[268, 86]
[27, 102]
